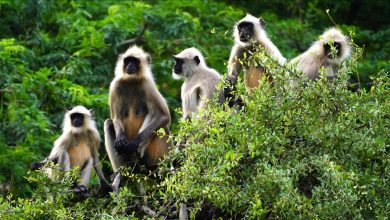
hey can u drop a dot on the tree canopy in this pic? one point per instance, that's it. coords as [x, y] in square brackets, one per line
[320, 151]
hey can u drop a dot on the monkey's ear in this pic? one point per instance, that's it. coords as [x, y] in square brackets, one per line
[148, 59]
[262, 22]
[197, 60]
[92, 113]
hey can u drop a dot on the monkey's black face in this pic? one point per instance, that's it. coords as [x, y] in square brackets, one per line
[131, 65]
[77, 119]
[333, 50]
[245, 30]
[178, 67]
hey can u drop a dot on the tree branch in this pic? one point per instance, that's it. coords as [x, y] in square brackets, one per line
[137, 39]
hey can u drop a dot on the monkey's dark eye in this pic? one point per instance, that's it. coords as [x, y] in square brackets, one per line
[333, 49]
[197, 60]
[77, 119]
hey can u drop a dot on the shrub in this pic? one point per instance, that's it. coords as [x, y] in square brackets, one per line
[316, 150]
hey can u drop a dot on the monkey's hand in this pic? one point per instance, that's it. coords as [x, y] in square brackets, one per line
[226, 92]
[36, 166]
[120, 144]
[231, 79]
[130, 147]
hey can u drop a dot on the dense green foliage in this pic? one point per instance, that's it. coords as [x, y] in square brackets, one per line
[312, 151]
[317, 150]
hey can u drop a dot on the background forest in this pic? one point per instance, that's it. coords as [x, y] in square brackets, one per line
[58, 54]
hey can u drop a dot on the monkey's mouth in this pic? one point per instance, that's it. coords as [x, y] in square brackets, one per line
[77, 123]
[244, 38]
[177, 70]
[132, 72]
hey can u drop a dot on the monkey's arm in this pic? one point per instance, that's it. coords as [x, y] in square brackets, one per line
[120, 140]
[98, 169]
[235, 66]
[59, 145]
[158, 116]
[60, 153]
[200, 101]
[120, 137]
[191, 101]
[234, 69]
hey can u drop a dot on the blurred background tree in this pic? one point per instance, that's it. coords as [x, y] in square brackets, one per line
[58, 54]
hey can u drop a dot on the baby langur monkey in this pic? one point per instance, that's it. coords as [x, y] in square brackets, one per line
[200, 81]
[249, 34]
[137, 110]
[329, 52]
[77, 146]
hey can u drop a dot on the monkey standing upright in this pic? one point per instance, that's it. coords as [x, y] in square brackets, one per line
[329, 52]
[200, 81]
[137, 110]
[77, 146]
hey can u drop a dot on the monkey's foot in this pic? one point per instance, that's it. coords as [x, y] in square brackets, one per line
[114, 187]
[105, 190]
[81, 191]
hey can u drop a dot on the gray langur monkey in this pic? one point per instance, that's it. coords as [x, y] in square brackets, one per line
[329, 51]
[77, 146]
[200, 81]
[137, 110]
[249, 34]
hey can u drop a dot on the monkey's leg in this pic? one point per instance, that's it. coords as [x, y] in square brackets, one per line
[86, 172]
[116, 182]
[183, 214]
[64, 162]
[142, 145]
[81, 188]
[116, 160]
[99, 172]
[109, 137]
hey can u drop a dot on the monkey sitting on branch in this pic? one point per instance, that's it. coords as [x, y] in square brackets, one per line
[138, 111]
[200, 81]
[77, 146]
[328, 52]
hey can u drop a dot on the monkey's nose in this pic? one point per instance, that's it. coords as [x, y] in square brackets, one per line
[131, 69]
[77, 123]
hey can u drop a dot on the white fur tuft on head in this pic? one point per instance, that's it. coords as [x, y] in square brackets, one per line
[89, 122]
[136, 52]
[258, 29]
